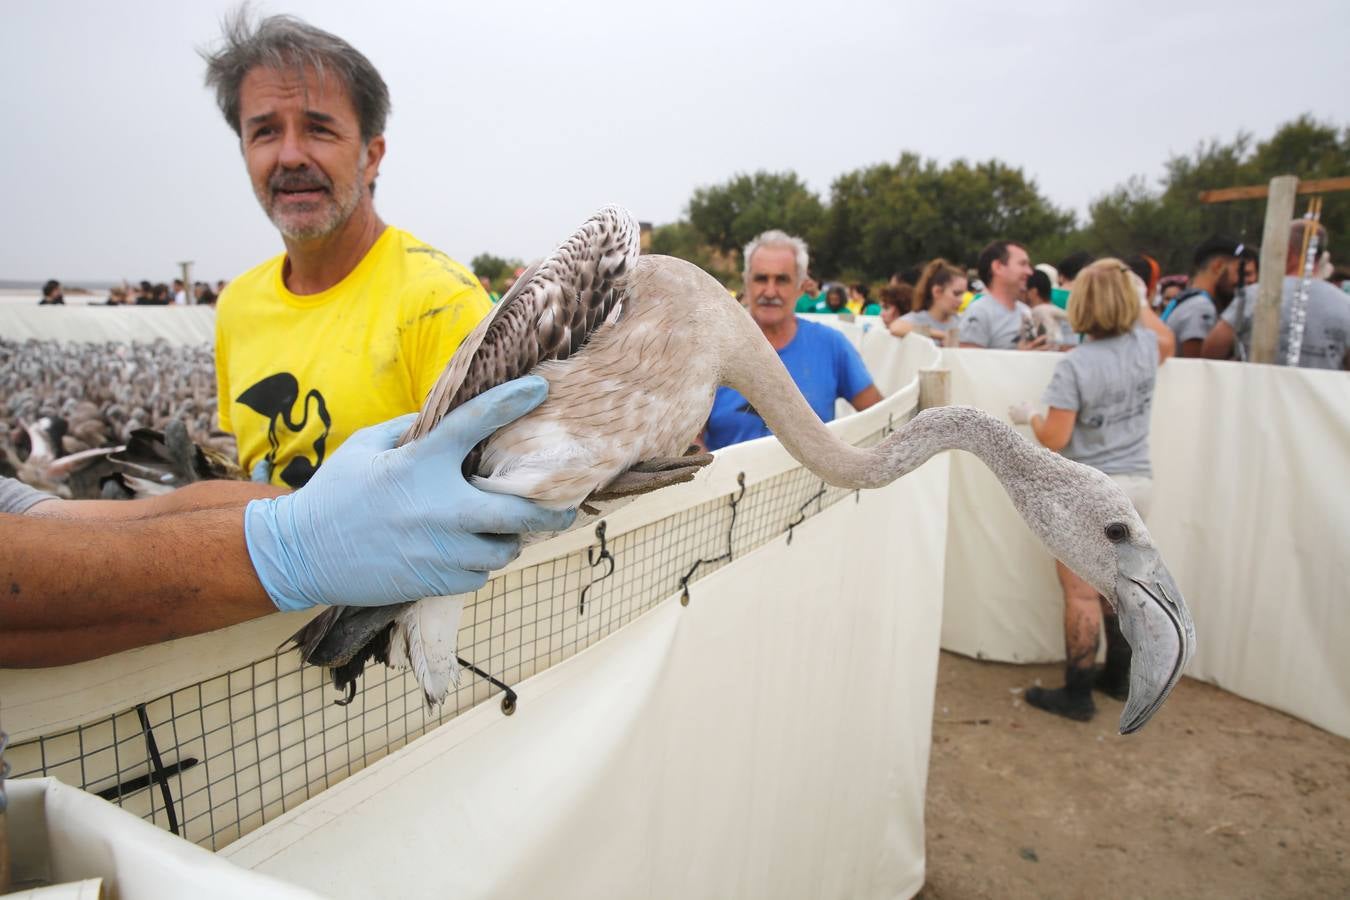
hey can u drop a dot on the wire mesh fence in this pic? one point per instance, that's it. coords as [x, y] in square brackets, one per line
[216, 759]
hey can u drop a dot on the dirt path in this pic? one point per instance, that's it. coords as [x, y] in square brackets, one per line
[1216, 797]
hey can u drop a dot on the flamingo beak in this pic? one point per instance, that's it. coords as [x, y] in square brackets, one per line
[1156, 622]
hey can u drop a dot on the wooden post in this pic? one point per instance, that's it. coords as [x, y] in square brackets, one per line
[1274, 248]
[189, 298]
[935, 388]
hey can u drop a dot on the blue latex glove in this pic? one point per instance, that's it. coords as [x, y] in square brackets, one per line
[378, 525]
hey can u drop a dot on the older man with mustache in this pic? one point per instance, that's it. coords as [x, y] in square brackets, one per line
[353, 324]
[822, 362]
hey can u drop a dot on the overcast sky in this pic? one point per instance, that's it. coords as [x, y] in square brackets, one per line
[513, 121]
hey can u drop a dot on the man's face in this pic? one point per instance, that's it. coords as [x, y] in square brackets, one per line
[772, 287]
[1013, 274]
[302, 145]
[810, 286]
[1225, 279]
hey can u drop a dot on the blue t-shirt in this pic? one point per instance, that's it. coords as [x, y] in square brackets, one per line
[823, 364]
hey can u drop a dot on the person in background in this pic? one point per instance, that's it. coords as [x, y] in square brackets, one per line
[51, 294]
[860, 301]
[896, 300]
[1070, 266]
[1148, 270]
[486, 282]
[1193, 313]
[834, 302]
[1100, 398]
[1169, 288]
[812, 296]
[1047, 318]
[1249, 267]
[824, 364]
[159, 295]
[996, 320]
[179, 293]
[117, 295]
[220, 286]
[936, 300]
[202, 294]
[1326, 329]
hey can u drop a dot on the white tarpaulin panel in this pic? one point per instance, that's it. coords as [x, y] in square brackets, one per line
[175, 324]
[1251, 507]
[769, 740]
[1003, 599]
[1251, 475]
[60, 835]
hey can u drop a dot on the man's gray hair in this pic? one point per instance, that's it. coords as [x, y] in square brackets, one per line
[776, 238]
[285, 42]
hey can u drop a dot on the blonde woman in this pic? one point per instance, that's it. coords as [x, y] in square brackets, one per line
[1099, 399]
[937, 297]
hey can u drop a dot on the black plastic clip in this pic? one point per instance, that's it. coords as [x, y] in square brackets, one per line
[890, 425]
[801, 510]
[731, 528]
[596, 559]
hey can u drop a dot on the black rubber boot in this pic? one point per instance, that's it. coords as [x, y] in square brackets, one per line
[1073, 701]
[1113, 679]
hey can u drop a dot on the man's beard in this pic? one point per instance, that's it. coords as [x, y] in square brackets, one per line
[338, 211]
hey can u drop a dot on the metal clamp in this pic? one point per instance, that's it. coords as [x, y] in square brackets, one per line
[801, 510]
[596, 559]
[509, 696]
[731, 528]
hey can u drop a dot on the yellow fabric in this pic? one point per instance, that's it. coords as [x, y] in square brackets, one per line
[965, 301]
[297, 375]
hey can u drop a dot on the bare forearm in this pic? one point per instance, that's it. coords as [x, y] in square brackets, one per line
[201, 495]
[1167, 341]
[71, 595]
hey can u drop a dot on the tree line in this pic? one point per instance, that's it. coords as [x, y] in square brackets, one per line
[884, 218]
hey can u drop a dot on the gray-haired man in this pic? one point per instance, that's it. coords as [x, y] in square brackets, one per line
[819, 358]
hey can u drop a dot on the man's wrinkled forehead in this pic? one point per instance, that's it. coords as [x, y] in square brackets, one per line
[266, 88]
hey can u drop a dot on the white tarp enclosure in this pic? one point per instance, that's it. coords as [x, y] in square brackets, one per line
[96, 324]
[1251, 479]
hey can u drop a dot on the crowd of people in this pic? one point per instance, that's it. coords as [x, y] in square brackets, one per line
[1005, 303]
[143, 293]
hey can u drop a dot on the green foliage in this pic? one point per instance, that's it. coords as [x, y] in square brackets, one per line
[682, 239]
[485, 265]
[730, 215]
[1169, 221]
[885, 217]
[888, 216]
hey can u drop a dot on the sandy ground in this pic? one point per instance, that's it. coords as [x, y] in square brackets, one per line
[1216, 797]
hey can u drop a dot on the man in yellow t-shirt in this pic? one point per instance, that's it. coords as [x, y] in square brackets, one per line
[353, 324]
[297, 374]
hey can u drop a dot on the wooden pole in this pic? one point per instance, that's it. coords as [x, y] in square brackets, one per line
[1274, 248]
[935, 388]
[189, 298]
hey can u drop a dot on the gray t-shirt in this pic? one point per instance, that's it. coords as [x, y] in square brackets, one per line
[1193, 318]
[991, 325]
[1109, 382]
[924, 319]
[16, 498]
[1326, 326]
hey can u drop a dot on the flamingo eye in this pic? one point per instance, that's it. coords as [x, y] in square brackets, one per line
[1117, 532]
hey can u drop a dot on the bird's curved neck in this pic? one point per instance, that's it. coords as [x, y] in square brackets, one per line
[760, 376]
